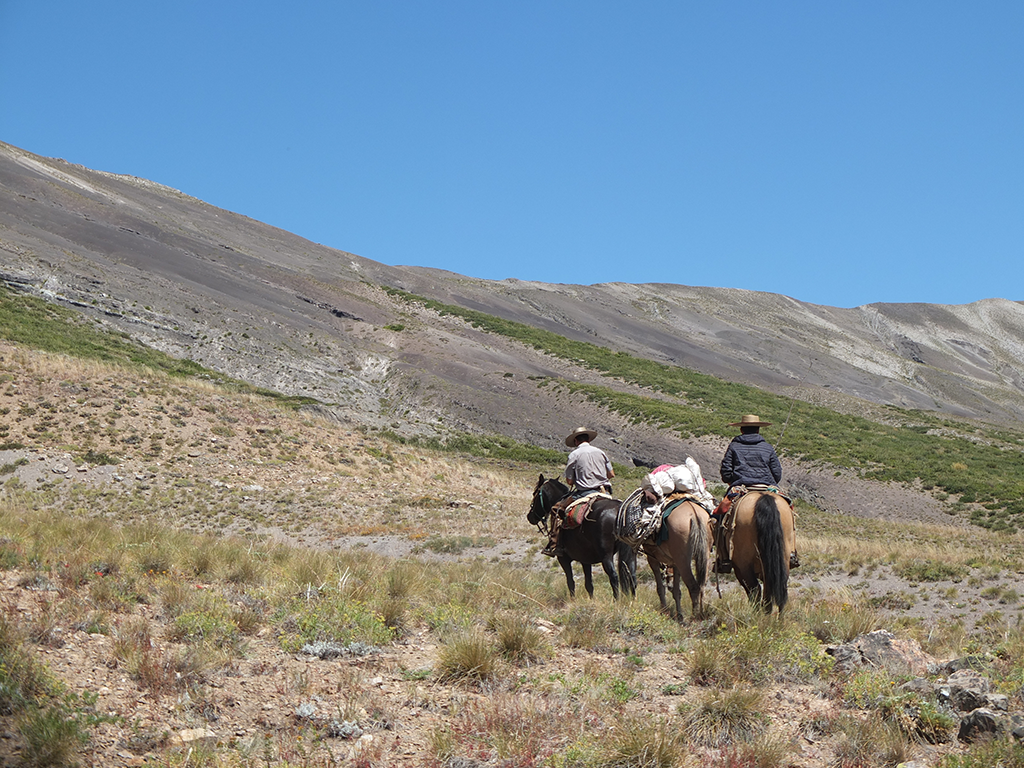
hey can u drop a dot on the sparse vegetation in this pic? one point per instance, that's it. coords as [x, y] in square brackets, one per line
[976, 464]
[139, 605]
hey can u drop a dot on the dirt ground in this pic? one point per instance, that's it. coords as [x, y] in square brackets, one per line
[183, 454]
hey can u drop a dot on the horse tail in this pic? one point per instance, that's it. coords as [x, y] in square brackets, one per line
[627, 567]
[699, 547]
[771, 545]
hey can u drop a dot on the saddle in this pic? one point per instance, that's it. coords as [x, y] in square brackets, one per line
[574, 511]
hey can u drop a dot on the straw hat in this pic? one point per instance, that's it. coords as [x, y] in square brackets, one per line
[750, 420]
[590, 434]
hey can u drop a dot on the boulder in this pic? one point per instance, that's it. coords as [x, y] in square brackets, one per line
[965, 691]
[880, 650]
[980, 723]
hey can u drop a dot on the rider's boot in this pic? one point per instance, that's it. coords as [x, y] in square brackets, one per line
[552, 548]
[722, 562]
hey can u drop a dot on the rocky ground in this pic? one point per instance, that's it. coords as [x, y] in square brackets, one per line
[202, 460]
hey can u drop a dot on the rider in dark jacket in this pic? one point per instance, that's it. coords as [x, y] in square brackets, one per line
[750, 459]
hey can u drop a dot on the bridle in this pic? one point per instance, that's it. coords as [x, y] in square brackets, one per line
[542, 501]
[538, 504]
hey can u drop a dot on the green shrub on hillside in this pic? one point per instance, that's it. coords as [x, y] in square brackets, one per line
[978, 465]
[36, 323]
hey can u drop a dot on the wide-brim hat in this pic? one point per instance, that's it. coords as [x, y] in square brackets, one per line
[589, 433]
[750, 420]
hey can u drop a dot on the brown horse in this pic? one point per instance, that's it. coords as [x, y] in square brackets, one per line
[687, 550]
[763, 538]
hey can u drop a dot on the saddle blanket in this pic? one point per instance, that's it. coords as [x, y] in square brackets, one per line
[576, 511]
[662, 534]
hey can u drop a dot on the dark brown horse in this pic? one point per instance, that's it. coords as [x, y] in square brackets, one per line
[763, 538]
[687, 549]
[592, 542]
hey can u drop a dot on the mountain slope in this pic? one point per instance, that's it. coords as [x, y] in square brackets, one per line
[274, 309]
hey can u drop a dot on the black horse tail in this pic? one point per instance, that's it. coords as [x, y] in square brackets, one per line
[699, 547]
[627, 567]
[771, 545]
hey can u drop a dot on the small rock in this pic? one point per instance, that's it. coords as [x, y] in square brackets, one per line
[193, 736]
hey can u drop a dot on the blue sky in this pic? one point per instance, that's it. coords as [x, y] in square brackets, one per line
[841, 153]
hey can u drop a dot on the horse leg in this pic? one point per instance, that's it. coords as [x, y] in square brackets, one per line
[588, 578]
[570, 582]
[659, 580]
[609, 567]
[747, 577]
[627, 568]
[696, 594]
[677, 593]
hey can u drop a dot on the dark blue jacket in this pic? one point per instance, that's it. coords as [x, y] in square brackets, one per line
[750, 459]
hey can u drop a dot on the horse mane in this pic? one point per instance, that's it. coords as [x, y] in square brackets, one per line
[542, 481]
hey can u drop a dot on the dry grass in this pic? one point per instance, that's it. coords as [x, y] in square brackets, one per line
[189, 558]
[726, 715]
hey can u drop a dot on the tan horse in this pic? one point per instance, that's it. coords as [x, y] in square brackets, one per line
[763, 537]
[688, 551]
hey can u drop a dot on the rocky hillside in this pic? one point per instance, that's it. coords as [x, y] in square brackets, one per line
[175, 592]
[271, 308]
[145, 517]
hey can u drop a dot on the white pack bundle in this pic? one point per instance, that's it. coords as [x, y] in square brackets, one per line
[684, 478]
[660, 483]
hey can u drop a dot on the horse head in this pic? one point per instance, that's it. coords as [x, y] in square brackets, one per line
[545, 493]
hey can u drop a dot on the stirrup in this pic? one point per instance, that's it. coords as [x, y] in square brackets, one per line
[551, 549]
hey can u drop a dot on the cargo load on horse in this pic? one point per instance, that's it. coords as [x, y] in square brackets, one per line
[667, 517]
[685, 478]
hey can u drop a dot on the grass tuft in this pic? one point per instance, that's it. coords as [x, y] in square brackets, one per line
[469, 654]
[725, 716]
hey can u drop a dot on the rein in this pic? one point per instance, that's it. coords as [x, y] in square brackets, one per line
[540, 500]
